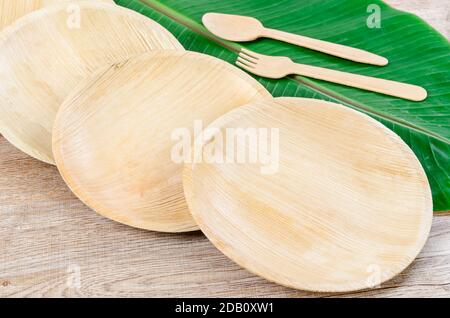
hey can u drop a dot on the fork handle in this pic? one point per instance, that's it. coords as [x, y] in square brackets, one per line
[387, 87]
[339, 50]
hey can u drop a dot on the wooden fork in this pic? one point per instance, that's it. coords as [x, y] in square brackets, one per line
[281, 66]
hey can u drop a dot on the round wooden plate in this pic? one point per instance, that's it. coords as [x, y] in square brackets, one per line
[115, 137]
[347, 208]
[46, 53]
[11, 10]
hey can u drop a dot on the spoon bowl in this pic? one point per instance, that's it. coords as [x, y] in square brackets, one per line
[233, 27]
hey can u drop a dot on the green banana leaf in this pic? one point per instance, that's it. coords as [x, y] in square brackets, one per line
[417, 53]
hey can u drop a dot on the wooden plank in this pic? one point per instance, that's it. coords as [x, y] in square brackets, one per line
[47, 236]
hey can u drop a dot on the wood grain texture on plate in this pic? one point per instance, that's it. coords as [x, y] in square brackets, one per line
[11, 10]
[116, 138]
[44, 55]
[343, 204]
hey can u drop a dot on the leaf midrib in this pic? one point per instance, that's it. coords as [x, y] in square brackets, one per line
[201, 30]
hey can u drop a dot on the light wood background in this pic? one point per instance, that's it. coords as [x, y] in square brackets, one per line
[50, 242]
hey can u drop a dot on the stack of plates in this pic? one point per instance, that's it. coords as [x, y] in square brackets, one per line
[305, 193]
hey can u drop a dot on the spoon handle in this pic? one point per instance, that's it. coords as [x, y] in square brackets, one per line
[339, 50]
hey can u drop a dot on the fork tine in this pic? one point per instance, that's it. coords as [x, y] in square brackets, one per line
[248, 57]
[245, 67]
[250, 53]
[246, 62]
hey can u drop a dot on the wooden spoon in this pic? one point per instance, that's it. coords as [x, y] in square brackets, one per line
[346, 206]
[45, 54]
[11, 10]
[116, 137]
[241, 29]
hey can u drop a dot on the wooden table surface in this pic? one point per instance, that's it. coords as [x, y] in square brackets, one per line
[52, 245]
